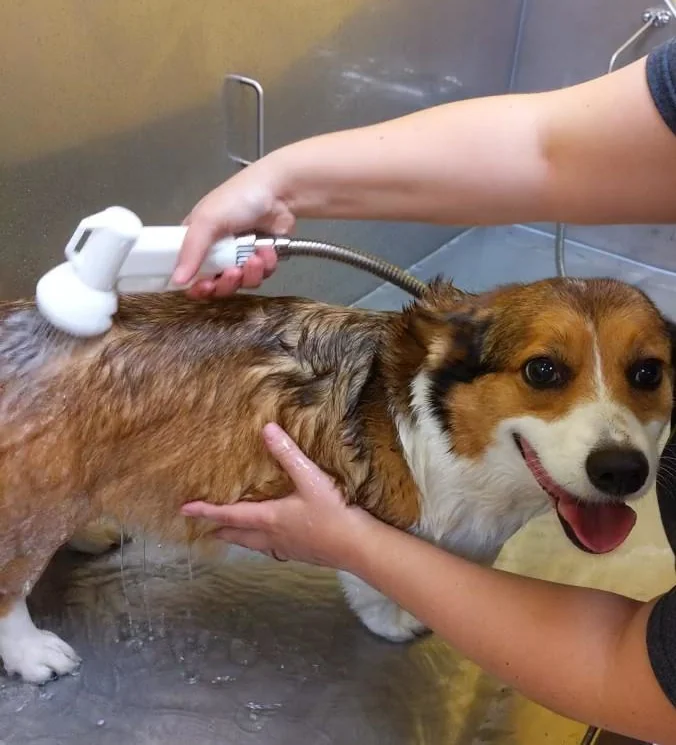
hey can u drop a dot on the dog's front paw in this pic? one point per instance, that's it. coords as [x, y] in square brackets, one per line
[379, 614]
[391, 622]
[38, 656]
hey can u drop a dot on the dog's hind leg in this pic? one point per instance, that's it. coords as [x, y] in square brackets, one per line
[98, 537]
[25, 550]
[34, 655]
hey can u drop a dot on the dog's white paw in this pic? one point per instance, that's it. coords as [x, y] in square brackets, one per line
[391, 622]
[38, 656]
[379, 614]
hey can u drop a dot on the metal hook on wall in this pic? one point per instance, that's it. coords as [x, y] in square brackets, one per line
[651, 18]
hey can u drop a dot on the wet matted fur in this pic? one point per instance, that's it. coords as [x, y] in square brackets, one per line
[413, 413]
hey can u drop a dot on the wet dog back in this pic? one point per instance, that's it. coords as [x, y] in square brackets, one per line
[169, 407]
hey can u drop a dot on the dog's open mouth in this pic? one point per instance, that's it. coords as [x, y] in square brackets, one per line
[593, 527]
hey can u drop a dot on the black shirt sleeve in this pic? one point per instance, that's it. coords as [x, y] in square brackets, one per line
[661, 72]
[661, 636]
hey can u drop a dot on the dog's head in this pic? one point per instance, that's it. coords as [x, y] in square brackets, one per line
[562, 386]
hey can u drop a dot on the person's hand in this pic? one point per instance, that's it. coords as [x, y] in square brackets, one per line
[247, 202]
[313, 524]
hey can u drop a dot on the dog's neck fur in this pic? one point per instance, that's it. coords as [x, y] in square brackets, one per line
[458, 499]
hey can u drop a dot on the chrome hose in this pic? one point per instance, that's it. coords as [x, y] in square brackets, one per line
[289, 247]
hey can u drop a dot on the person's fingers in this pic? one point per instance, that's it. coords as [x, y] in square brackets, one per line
[302, 471]
[269, 258]
[201, 234]
[241, 515]
[202, 289]
[252, 272]
[228, 283]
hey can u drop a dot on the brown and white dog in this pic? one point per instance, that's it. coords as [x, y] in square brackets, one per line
[459, 419]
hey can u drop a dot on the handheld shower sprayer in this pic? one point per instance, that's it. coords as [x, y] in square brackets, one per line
[112, 252]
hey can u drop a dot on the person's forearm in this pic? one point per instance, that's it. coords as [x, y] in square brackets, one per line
[577, 651]
[598, 152]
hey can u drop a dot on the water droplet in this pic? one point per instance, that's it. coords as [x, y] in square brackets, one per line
[243, 653]
[191, 678]
[101, 723]
[144, 590]
[223, 680]
[190, 574]
[123, 576]
[135, 644]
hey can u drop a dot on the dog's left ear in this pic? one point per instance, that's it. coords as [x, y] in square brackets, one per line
[454, 342]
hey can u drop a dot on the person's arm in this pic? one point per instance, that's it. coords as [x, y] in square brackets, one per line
[593, 153]
[598, 152]
[577, 651]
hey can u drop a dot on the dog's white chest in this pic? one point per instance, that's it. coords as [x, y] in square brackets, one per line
[467, 507]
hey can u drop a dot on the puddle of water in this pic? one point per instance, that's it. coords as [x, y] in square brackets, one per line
[254, 717]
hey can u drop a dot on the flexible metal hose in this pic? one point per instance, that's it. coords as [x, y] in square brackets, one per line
[286, 248]
[590, 736]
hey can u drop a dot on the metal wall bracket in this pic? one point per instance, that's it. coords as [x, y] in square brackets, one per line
[652, 18]
[658, 17]
[242, 81]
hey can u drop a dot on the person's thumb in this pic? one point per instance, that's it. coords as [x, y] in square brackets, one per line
[302, 471]
[199, 238]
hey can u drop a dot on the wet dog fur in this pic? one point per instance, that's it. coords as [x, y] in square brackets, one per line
[416, 414]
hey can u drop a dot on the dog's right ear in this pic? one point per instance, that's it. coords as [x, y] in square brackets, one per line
[453, 342]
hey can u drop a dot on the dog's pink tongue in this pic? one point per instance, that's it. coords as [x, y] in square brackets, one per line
[599, 527]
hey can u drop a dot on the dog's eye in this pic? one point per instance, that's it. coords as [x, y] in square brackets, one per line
[645, 375]
[543, 372]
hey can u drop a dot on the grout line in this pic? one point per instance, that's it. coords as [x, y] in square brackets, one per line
[518, 41]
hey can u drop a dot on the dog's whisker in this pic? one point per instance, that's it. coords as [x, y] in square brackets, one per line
[669, 468]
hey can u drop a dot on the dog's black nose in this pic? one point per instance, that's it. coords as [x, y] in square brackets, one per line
[617, 471]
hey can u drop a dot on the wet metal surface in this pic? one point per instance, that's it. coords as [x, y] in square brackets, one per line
[252, 653]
